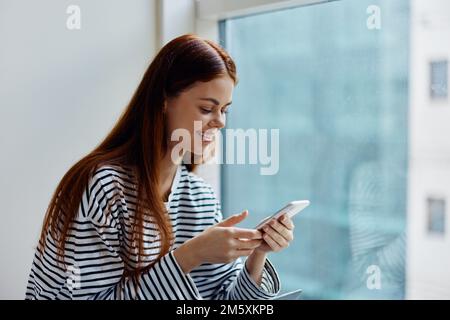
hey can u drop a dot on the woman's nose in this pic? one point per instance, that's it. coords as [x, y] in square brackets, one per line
[218, 121]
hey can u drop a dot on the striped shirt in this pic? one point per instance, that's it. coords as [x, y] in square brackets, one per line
[99, 243]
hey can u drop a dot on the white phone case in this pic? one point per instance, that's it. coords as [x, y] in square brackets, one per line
[291, 209]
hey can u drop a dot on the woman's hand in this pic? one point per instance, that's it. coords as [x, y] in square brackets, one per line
[277, 235]
[221, 243]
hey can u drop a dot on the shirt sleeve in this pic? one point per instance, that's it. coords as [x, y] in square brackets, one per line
[240, 286]
[164, 281]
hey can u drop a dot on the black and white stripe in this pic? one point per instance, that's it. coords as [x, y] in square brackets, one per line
[99, 247]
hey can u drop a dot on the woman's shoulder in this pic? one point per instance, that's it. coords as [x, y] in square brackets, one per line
[110, 180]
[109, 187]
[113, 174]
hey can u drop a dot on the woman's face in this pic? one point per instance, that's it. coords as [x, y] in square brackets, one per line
[200, 112]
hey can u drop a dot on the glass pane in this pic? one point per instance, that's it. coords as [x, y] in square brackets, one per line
[335, 84]
[436, 216]
[438, 79]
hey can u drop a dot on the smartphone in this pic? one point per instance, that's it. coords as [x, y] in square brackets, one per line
[291, 209]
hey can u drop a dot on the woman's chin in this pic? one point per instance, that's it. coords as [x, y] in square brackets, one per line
[201, 154]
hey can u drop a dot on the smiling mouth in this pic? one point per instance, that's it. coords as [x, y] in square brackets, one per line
[206, 137]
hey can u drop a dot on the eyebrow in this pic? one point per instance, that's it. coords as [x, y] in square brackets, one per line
[215, 101]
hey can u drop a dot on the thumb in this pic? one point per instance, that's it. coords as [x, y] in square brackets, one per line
[234, 219]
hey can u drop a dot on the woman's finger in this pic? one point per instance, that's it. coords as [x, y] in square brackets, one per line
[287, 222]
[271, 242]
[282, 230]
[245, 233]
[248, 244]
[282, 242]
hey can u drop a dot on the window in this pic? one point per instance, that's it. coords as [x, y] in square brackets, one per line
[338, 93]
[436, 216]
[439, 79]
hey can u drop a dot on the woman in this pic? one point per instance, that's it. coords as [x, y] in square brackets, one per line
[131, 221]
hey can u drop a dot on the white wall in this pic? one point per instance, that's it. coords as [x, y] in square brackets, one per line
[60, 93]
[428, 256]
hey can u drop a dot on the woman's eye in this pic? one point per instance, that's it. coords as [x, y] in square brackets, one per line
[205, 111]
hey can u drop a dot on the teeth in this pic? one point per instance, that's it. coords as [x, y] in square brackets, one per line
[206, 137]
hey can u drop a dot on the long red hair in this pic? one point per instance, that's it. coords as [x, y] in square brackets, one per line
[139, 139]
